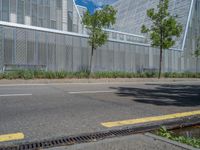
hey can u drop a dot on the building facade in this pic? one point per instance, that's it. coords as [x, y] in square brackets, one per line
[132, 15]
[50, 33]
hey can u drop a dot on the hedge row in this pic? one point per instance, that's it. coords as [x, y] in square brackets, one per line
[28, 74]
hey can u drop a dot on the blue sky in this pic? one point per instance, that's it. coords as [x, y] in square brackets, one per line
[93, 4]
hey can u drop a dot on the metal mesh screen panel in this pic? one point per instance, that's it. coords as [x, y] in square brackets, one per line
[30, 36]
[8, 45]
[69, 53]
[51, 51]
[42, 49]
[60, 52]
[21, 53]
[84, 54]
[1, 49]
[76, 54]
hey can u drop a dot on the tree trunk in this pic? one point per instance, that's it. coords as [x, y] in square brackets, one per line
[160, 65]
[197, 62]
[161, 41]
[91, 56]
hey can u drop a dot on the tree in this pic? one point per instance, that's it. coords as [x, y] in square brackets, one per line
[163, 30]
[95, 23]
[196, 53]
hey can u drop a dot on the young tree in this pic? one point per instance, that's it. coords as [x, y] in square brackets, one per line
[163, 30]
[95, 23]
[196, 53]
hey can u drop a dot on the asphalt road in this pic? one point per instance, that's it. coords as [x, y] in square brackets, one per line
[47, 111]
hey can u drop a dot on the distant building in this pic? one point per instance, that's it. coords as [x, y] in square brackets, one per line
[50, 33]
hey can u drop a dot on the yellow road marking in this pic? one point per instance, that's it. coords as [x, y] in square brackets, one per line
[150, 119]
[11, 137]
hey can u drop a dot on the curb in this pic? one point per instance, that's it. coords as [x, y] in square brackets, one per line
[155, 137]
[97, 81]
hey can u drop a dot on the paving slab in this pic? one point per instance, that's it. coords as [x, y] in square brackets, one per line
[134, 142]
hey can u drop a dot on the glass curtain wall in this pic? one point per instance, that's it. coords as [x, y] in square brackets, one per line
[41, 13]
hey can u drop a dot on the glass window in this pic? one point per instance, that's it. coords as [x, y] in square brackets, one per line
[70, 20]
[70, 5]
[0, 9]
[5, 10]
[53, 24]
[13, 6]
[40, 22]
[53, 10]
[34, 14]
[47, 17]
[59, 4]
[20, 11]
[27, 8]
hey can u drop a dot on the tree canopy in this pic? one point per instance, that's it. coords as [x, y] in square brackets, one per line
[164, 28]
[197, 50]
[95, 23]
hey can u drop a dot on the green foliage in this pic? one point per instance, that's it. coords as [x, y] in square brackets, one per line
[30, 74]
[27, 74]
[197, 50]
[1, 76]
[196, 53]
[164, 132]
[81, 75]
[164, 28]
[186, 140]
[95, 23]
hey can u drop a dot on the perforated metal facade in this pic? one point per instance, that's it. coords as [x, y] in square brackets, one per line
[132, 14]
[61, 50]
[54, 14]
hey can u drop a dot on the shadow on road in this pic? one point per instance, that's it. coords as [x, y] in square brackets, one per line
[165, 94]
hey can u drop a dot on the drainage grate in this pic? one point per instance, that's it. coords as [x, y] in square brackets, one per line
[92, 137]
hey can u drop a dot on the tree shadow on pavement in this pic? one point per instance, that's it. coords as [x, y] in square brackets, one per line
[163, 95]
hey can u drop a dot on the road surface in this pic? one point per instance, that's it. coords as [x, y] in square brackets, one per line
[55, 110]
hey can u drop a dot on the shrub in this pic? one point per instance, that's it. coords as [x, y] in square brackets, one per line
[195, 142]
[11, 75]
[50, 75]
[80, 75]
[1, 76]
[60, 75]
[39, 74]
[29, 74]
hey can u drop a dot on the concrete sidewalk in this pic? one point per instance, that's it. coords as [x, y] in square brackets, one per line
[102, 80]
[134, 142]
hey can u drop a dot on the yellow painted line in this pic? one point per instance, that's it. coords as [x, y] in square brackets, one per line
[150, 119]
[11, 137]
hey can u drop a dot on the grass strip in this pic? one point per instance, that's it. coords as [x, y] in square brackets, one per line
[194, 142]
[35, 74]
